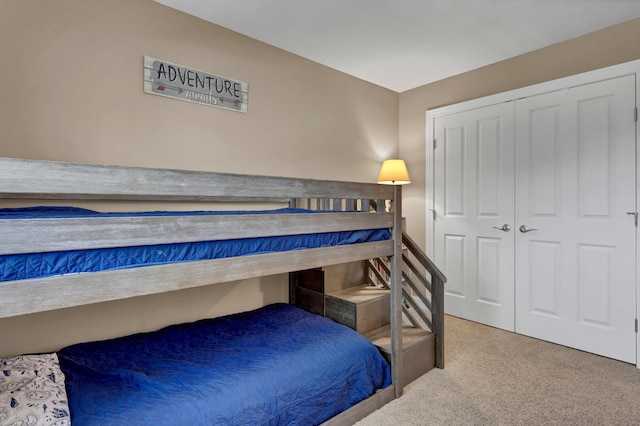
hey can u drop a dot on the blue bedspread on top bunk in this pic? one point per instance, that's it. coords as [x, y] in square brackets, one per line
[277, 365]
[37, 265]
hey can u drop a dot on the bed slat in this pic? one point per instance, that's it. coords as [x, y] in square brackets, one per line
[21, 178]
[36, 295]
[42, 235]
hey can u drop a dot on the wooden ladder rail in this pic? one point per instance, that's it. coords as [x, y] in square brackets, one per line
[436, 289]
[430, 293]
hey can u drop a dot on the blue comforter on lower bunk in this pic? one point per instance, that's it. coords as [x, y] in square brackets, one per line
[277, 365]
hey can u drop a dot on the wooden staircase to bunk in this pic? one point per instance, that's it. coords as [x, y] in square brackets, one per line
[357, 295]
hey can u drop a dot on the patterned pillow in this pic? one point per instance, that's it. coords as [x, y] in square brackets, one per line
[32, 391]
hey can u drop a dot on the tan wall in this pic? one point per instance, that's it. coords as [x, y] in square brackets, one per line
[71, 73]
[614, 45]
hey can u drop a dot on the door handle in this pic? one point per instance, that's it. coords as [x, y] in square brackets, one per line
[524, 229]
[505, 228]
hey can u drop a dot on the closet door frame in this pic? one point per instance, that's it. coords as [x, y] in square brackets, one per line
[628, 68]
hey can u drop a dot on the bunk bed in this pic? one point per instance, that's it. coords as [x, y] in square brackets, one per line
[104, 381]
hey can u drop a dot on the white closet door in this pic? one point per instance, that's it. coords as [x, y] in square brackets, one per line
[473, 203]
[575, 183]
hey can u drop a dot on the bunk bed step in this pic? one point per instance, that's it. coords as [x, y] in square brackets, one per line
[363, 308]
[307, 288]
[418, 350]
[344, 275]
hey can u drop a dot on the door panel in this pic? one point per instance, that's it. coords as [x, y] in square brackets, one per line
[575, 183]
[543, 165]
[454, 261]
[543, 262]
[473, 199]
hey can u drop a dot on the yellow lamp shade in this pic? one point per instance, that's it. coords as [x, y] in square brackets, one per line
[393, 172]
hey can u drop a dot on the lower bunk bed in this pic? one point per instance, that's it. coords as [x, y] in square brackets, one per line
[277, 365]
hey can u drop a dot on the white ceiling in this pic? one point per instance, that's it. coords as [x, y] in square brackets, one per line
[403, 44]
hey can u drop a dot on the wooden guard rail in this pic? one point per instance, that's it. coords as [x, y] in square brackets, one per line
[429, 314]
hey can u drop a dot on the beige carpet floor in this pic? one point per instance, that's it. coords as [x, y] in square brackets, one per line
[494, 377]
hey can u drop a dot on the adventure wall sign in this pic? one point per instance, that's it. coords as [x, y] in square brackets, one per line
[187, 84]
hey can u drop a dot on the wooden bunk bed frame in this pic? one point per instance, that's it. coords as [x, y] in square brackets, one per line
[49, 180]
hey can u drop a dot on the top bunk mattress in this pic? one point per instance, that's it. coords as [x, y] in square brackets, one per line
[45, 264]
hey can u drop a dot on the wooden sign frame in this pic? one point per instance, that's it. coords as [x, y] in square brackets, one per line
[175, 81]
